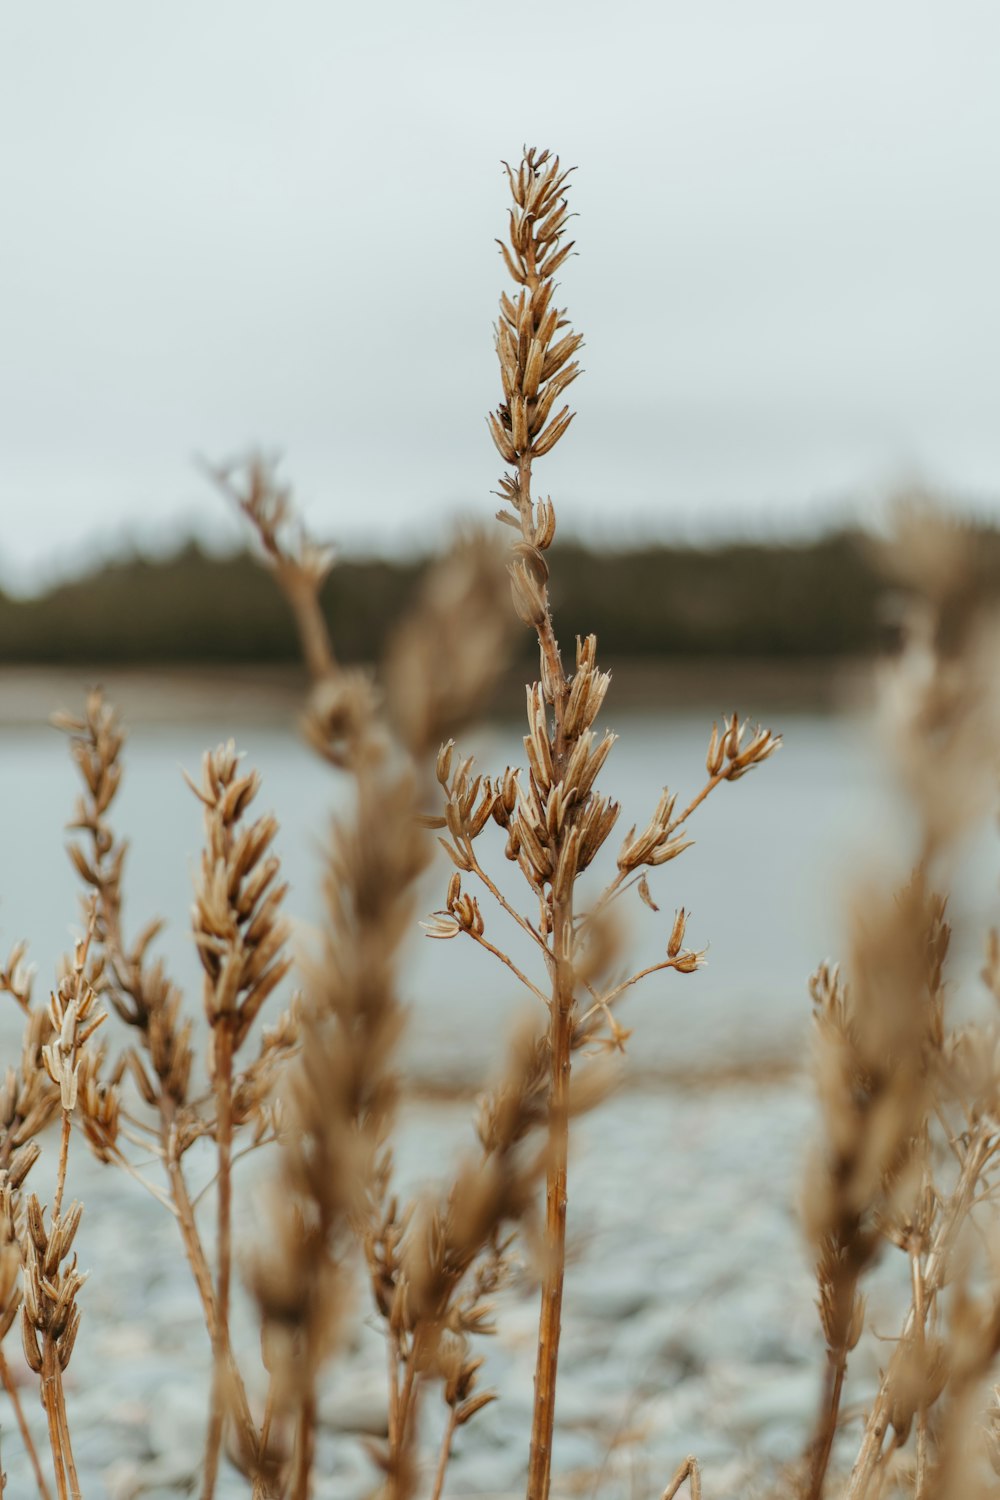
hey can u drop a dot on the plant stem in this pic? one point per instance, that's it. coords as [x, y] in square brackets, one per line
[313, 633]
[63, 1420]
[609, 999]
[934, 1277]
[550, 1320]
[823, 1446]
[501, 900]
[122, 1161]
[405, 1402]
[509, 962]
[560, 1046]
[920, 1309]
[393, 1359]
[445, 1454]
[306, 1448]
[224, 1134]
[400, 1481]
[193, 1247]
[695, 803]
[52, 1391]
[49, 1363]
[920, 1492]
[9, 1386]
[688, 1470]
[198, 1262]
[260, 1490]
[63, 1165]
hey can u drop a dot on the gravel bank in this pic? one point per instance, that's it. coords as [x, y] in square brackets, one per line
[689, 1324]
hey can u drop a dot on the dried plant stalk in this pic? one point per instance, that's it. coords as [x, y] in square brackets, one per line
[340, 1094]
[50, 1317]
[555, 820]
[341, 1100]
[687, 1472]
[241, 936]
[29, 1100]
[141, 994]
[909, 1119]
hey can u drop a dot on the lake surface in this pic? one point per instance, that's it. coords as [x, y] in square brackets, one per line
[690, 1322]
[765, 883]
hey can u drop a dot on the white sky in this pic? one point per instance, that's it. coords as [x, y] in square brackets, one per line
[228, 222]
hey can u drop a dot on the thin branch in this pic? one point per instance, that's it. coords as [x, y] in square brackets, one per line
[822, 1447]
[610, 893]
[151, 1130]
[306, 1447]
[688, 1470]
[10, 1387]
[511, 965]
[624, 880]
[265, 1435]
[300, 589]
[695, 803]
[265, 1140]
[67, 1446]
[934, 1277]
[511, 911]
[948, 1133]
[63, 1164]
[445, 1454]
[626, 984]
[122, 1161]
[50, 1362]
[920, 1309]
[224, 1086]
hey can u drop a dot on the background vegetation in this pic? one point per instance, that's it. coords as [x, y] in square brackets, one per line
[814, 599]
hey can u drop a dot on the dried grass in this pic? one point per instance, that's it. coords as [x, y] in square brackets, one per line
[909, 1127]
[908, 1101]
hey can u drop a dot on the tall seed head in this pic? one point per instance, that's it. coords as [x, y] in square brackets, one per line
[536, 355]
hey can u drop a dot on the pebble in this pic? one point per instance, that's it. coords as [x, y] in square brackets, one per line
[599, 1293]
[688, 1322]
[777, 1396]
[356, 1403]
[487, 1471]
[575, 1452]
[178, 1417]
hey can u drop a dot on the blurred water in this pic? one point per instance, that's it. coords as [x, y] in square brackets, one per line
[764, 882]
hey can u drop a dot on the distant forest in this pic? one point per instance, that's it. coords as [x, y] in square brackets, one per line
[822, 598]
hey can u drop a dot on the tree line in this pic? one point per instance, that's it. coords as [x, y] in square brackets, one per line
[820, 598]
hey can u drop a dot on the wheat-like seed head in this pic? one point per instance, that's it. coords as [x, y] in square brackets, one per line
[51, 1283]
[536, 367]
[238, 927]
[137, 987]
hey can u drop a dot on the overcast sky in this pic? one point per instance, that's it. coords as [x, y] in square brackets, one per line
[228, 222]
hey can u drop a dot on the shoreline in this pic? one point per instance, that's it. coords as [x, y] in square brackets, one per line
[768, 1071]
[275, 695]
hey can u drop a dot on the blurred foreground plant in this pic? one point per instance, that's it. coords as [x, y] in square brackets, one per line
[910, 1100]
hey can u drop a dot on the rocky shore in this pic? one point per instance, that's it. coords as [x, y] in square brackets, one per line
[689, 1324]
